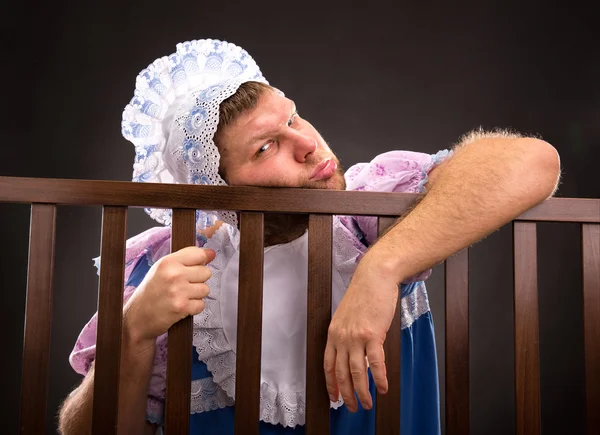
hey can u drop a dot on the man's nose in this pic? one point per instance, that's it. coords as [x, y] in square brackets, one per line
[304, 145]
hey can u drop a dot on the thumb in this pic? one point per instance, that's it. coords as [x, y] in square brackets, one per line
[210, 255]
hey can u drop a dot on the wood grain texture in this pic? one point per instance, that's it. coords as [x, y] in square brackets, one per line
[527, 361]
[179, 356]
[387, 406]
[123, 193]
[319, 316]
[249, 327]
[110, 320]
[590, 242]
[38, 320]
[457, 344]
[164, 195]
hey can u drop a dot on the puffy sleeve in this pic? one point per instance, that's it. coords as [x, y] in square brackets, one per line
[394, 171]
[141, 252]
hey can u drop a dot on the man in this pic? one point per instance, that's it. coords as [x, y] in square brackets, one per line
[206, 115]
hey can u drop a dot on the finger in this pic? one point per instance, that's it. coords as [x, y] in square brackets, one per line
[210, 255]
[329, 367]
[197, 290]
[195, 306]
[360, 379]
[344, 380]
[376, 358]
[197, 273]
[193, 256]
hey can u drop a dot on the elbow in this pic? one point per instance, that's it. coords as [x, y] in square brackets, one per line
[542, 167]
[71, 418]
[65, 426]
[63, 423]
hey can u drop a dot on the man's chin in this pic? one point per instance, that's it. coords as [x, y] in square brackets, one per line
[335, 182]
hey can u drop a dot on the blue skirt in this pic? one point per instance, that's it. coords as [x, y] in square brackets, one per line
[419, 403]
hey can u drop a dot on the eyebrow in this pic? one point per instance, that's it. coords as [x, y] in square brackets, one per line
[266, 133]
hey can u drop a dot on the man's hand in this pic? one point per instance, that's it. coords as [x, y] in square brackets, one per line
[172, 289]
[357, 332]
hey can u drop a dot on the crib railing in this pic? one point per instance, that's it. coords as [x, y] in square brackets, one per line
[45, 195]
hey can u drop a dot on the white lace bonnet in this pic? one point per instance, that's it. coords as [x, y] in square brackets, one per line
[174, 114]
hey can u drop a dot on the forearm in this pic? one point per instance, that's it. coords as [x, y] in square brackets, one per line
[483, 186]
[136, 368]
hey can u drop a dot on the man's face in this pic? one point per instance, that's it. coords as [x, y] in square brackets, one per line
[272, 146]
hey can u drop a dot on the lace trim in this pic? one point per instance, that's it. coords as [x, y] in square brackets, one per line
[414, 305]
[155, 410]
[436, 159]
[208, 335]
[208, 396]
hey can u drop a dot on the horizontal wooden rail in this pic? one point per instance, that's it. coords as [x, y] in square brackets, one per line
[158, 195]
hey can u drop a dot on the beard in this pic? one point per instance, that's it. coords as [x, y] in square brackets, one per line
[335, 182]
[283, 228]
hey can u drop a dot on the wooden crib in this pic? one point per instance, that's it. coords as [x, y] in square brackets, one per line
[45, 195]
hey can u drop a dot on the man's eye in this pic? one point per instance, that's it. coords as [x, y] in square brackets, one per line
[292, 119]
[263, 148]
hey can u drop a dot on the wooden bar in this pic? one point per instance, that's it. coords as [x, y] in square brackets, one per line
[38, 319]
[387, 406]
[249, 327]
[179, 355]
[166, 195]
[527, 361]
[243, 198]
[457, 343]
[110, 319]
[590, 241]
[320, 241]
[564, 210]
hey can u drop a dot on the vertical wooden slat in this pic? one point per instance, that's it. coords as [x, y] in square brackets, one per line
[319, 317]
[527, 367]
[249, 327]
[387, 406]
[38, 319]
[110, 316]
[457, 343]
[179, 355]
[590, 241]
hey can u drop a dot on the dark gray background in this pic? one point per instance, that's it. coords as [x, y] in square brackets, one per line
[372, 78]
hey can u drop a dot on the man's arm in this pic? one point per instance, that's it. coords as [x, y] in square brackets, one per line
[173, 289]
[488, 182]
[136, 367]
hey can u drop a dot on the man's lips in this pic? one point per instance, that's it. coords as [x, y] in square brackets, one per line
[324, 170]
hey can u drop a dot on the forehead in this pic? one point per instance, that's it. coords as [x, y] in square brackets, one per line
[271, 110]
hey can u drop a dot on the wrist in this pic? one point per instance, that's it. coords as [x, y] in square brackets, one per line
[384, 263]
[134, 334]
